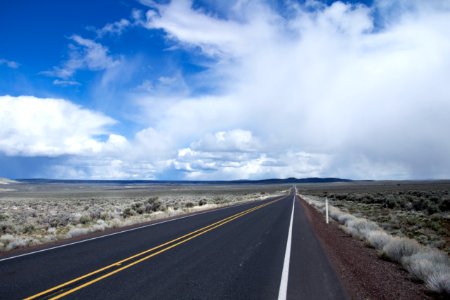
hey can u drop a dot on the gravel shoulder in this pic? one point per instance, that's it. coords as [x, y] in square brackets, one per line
[363, 274]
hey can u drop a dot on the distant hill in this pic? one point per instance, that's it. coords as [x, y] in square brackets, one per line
[294, 180]
[242, 181]
[6, 181]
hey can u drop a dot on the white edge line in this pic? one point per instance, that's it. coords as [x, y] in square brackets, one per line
[282, 293]
[115, 233]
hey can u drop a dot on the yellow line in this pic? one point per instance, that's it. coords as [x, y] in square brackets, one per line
[142, 259]
[195, 233]
[115, 264]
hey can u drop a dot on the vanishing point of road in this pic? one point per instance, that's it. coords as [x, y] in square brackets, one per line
[260, 250]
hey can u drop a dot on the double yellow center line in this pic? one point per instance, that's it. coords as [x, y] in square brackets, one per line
[74, 285]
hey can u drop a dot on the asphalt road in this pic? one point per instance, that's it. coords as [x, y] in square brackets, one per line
[233, 253]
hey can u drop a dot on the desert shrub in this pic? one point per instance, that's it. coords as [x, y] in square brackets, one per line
[75, 231]
[368, 199]
[12, 241]
[127, 212]
[57, 221]
[432, 267]
[360, 227]
[411, 220]
[105, 216]
[140, 209]
[439, 281]
[152, 199]
[406, 205]
[136, 206]
[390, 202]
[27, 229]
[415, 193]
[189, 205]
[335, 213]
[433, 198]
[432, 208]
[3, 217]
[378, 238]
[6, 238]
[418, 204]
[399, 248]
[99, 226]
[434, 224]
[153, 204]
[202, 202]
[341, 196]
[16, 243]
[219, 200]
[342, 217]
[75, 218]
[444, 204]
[85, 219]
[95, 214]
[7, 228]
[422, 264]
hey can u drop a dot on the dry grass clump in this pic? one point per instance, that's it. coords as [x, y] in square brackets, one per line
[430, 266]
[378, 238]
[398, 249]
[438, 280]
[425, 264]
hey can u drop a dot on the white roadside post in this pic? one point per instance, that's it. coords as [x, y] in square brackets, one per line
[326, 210]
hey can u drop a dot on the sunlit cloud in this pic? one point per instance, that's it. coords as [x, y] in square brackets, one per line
[312, 89]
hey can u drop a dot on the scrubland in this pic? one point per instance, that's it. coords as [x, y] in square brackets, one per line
[407, 224]
[32, 214]
[420, 214]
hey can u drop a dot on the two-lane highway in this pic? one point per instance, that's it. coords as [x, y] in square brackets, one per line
[234, 253]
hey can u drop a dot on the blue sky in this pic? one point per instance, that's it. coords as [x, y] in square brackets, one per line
[224, 90]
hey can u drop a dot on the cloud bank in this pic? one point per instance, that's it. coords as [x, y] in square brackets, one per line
[311, 90]
[362, 86]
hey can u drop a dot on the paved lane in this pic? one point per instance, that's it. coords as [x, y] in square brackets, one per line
[234, 253]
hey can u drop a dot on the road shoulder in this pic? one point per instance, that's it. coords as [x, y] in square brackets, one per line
[363, 274]
[311, 274]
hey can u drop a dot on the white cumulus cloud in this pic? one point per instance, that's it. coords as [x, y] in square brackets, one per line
[31, 126]
[363, 86]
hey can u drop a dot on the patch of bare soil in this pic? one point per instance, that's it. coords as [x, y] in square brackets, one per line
[363, 274]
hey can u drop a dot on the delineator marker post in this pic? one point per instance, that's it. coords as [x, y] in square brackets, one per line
[326, 210]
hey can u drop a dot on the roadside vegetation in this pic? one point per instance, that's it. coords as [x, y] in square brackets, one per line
[36, 215]
[374, 225]
[420, 215]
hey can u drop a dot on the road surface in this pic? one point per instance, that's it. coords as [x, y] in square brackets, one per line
[234, 253]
